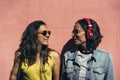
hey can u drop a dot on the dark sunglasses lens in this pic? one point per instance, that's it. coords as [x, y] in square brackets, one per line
[45, 33]
[75, 31]
[49, 32]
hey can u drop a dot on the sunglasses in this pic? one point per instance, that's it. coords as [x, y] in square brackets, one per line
[75, 31]
[44, 33]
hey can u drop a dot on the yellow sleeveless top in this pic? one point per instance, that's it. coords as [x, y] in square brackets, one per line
[33, 72]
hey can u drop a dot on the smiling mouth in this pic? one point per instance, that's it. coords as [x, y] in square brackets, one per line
[75, 40]
[46, 39]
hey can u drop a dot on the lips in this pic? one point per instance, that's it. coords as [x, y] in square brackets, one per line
[75, 40]
[46, 38]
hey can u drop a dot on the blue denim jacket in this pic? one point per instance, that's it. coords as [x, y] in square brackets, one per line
[100, 66]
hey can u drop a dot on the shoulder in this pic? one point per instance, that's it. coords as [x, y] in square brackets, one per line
[54, 54]
[70, 53]
[103, 56]
[17, 56]
[99, 53]
[55, 57]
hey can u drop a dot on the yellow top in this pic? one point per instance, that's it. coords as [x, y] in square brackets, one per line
[33, 72]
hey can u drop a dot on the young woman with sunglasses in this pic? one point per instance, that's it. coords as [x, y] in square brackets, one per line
[34, 60]
[86, 61]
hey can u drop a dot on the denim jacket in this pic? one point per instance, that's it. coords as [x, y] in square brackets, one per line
[100, 66]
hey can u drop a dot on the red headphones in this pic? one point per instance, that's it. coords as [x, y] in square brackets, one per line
[89, 30]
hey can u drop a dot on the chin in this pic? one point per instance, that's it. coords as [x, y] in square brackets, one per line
[78, 43]
[44, 43]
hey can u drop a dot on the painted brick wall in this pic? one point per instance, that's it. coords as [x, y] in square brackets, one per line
[60, 16]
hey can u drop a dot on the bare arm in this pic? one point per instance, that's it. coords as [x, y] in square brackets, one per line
[15, 68]
[56, 67]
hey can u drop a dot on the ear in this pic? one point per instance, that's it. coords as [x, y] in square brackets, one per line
[89, 29]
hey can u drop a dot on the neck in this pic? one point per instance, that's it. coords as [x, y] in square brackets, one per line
[84, 50]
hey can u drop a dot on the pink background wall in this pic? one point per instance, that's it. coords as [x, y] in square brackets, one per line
[60, 16]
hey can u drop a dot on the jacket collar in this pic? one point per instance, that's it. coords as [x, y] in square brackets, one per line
[94, 55]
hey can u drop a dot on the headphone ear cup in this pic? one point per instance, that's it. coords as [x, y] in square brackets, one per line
[89, 33]
[89, 30]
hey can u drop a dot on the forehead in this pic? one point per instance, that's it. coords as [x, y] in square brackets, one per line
[78, 26]
[42, 27]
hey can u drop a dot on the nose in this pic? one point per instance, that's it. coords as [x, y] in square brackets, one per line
[74, 36]
[47, 34]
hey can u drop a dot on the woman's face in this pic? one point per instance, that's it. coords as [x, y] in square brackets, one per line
[43, 34]
[78, 34]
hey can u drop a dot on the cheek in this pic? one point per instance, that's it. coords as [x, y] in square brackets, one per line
[40, 38]
[82, 37]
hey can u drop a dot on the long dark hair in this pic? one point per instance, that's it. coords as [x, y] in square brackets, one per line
[30, 44]
[94, 41]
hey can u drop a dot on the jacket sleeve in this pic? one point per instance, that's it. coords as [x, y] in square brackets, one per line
[62, 69]
[110, 69]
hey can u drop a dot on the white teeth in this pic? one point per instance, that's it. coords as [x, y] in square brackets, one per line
[46, 38]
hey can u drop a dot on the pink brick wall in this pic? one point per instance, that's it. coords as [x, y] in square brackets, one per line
[60, 16]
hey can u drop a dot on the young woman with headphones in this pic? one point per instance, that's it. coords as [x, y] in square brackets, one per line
[87, 61]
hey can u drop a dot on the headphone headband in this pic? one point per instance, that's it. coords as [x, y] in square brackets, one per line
[88, 21]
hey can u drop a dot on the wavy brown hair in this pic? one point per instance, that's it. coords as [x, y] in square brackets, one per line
[30, 44]
[96, 38]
